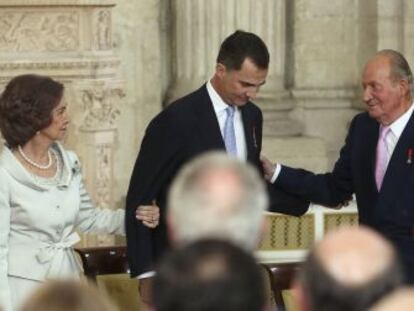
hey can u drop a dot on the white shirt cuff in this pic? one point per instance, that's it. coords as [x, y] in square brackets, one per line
[145, 275]
[276, 173]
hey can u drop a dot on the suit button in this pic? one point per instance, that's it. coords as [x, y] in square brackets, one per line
[58, 206]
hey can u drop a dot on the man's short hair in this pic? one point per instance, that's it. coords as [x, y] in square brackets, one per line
[400, 69]
[217, 196]
[241, 45]
[209, 275]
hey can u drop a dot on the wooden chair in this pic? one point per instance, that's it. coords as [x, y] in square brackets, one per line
[103, 260]
[282, 277]
[108, 268]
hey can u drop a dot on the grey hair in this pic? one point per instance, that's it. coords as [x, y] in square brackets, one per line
[400, 69]
[195, 212]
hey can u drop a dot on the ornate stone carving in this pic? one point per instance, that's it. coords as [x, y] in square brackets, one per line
[62, 64]
[100, 106]
[39, 31]
[103, 178]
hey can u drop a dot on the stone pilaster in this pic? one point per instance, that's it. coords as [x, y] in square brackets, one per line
[390, 25]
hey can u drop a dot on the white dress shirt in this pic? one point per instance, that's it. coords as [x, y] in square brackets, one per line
[220, 109]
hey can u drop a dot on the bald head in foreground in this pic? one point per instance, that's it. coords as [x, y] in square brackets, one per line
[401, 299]
[349, 270]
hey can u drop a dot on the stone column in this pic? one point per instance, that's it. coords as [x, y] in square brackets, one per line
[70, 40]
[200, 27]
[390, 25]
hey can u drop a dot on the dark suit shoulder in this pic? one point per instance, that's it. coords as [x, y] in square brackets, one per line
[180, 110]
[363, 121]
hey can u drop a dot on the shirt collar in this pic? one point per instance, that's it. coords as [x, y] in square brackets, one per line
[397, 127]
[218, 103]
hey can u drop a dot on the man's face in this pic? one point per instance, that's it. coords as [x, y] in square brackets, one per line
[383, 96]
[237, 87]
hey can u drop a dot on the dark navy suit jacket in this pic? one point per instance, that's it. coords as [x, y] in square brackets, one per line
[182, 131]
[390, 210]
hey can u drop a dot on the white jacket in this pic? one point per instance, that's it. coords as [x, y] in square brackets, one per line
[38, 222]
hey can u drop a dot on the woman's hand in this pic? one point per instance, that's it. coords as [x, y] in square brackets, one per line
[148, 214]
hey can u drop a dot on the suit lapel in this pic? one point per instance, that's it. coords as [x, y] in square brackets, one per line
[398, 169]
[249, 133]
[365, 158]
[371, 143]
[210, 130]
[207, 121]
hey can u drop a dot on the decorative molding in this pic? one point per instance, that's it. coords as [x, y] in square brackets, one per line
[35, 31]
[37, 3]
[324, 93]
[93, 64]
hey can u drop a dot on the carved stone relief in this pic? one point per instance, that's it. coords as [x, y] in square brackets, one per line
[39, 31]
[99, 106]
[102, 35]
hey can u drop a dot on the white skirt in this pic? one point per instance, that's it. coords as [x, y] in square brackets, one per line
[20, 290]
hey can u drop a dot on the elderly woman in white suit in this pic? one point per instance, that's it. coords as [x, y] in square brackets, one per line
[42, 197]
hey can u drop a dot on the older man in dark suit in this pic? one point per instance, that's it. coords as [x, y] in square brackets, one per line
[218, 116]
[376, 162]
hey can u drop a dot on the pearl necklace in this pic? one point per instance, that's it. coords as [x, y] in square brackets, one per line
[33, 163]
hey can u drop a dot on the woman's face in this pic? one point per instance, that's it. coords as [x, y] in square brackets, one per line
[60, 120]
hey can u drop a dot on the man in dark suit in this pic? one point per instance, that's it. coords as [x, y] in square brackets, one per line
[218, 116]
[375, 163]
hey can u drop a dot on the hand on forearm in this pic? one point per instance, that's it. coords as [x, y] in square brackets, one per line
[268, 167]
[148, 214]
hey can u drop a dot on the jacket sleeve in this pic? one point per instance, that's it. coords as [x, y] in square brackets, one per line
[329, 189]
[5, 212]
[154, 168]
[93, 219]
[98, 220]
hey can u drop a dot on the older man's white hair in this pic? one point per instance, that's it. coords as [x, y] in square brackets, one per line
[217, 196]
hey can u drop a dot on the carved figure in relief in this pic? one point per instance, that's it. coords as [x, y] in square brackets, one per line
[103, 175]
[102, 34]
[99, 106]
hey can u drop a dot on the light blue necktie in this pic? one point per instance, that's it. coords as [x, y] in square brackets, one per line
[229, 135]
